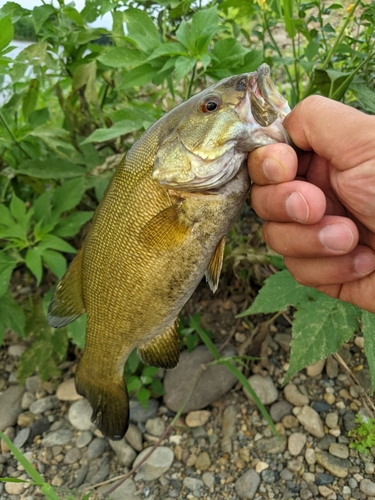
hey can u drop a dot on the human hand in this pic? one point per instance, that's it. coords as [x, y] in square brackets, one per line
[319, 204]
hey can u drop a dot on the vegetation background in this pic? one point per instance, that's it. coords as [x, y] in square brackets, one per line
[76, 99]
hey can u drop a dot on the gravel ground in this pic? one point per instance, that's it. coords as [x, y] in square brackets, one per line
[221, 449]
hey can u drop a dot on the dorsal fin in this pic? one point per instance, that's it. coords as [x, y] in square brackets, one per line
[215, 265]
[67, 302]
[163, 351]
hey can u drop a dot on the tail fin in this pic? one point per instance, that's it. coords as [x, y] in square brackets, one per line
[109, 401]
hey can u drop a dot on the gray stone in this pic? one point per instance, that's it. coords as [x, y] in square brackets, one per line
[332, 420]
[155, 465]
[208, 479]
[305, 494]
[272, 445]
[103, 471]
[279, 409]
[296, 442]
[27, 399]
[155, 426]
[322, 479]
[294, 396]
[286, 474]
[34, 384]
[134, 437]
[66, 391]
[326, 442]
[364, 379]
[84, 439]
[284, 340]
[193, 484]
[332, 368]
[79, 415]
[140, 414]
[44, 404]
[16, 350]
[22, 437]
[263, 387]
[228, 428]
[311, 421]
[126, 491]
[268, 476]
[57, 438]
[124, 451]
[10, 406]
[349, 420]
[72, 456]
[367, 487]
[246, 485]
[215, 381]
[96, 448]
[336, 466]
[339, 450]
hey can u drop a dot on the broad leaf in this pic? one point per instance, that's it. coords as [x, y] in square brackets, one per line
[33, 262]
[365, 96]
[6, 32]
[11, 315]
[120, 128]
[77, 331]
[40, 15]
[50, 168]
[68, 195]
[53, 242]
[7, 264]
[71, 225]
[183, 66]
[122, 57]
[141, 29]
[368, 329]
[55, 261]
[197, 35]
[140, 75]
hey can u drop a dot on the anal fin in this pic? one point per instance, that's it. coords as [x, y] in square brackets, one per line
[163, 351]
[215, 265]
[67, 302]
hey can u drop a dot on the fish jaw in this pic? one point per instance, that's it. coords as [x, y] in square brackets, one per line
[206, 150]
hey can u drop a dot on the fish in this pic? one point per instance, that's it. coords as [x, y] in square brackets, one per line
[160, 227]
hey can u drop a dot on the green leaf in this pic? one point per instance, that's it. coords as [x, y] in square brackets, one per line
[197, 35]
[55, 261]
[68, 195]
[365, 96]
[368, 329]
[133, 384]
[7, 264]
[288, 18]
[157, 387]
[120, 128]
[31, 98]
[73, 14]
[132, 363]
[141, 29]
[50, 168]
[71, 225]
[6, 32]
[77, 331]
[40, 15]
[18, 209]
[6, 218]
[53, 242]
[85, 76]
[33, 262]
[143, 395]
[141, 75]
[11, 314]
[38, 117]
[279, 292]
[122, 57]
[276, 260]
[168, 49]
[320, 327]
[311, 50]
[183, 66]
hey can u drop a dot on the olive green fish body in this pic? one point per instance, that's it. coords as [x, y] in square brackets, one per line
[160, 227]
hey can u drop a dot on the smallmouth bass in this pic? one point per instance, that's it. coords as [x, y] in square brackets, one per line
[161, 227]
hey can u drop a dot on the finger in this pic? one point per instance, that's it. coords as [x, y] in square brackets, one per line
[330, 236]
[272, 164]
[339, 133]
[323, 271]
[292, 201]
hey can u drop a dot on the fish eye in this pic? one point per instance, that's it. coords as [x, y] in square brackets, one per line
[210, 104]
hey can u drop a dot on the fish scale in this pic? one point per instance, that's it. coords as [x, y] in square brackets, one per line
[159, 228]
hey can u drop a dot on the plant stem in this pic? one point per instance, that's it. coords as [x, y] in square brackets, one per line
[13, 136]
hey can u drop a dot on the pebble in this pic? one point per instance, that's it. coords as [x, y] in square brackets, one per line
[246, 485]
[311, 421]
[34, 384]
[103, 471]
[21, 437]
[367, 487]
[10, 406]
[203, 461]
[215, 381]
[289, 422]
[84, 439]
[294, 396]
[10, 433]
[326, 442]
[268, 476]
[209, 479]
[279, 410]
[14, 488]
[321, 406]
[261, 466]
[339, 450]
[193, 484]
[66, 391]
[16, 350]
[359, 342]
[310, 456]
[27, 400]
[272, 445]
[44, 404]
[332, 368]
[296, 442]
[228, 428]
[155, 426]
[139, 414]
[284, 340]
[286, 474]
[315, 369]
[325, 491]
[332, 419]
[26, 418]
[126, 491]
[72, 456]
[197, 418]
[60, 437]
[79, 415]
[156, 465]
[323, 478]
[336, 466]
[39, 427]
[349, 420]
[134, 437]
[96, 448]
[263, 387]
[124, 451]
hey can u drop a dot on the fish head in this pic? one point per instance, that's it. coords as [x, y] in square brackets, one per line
[217, 128]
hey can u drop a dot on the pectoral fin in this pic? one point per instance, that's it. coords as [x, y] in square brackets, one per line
[67, 302]
[167, 229]
[215, 265]
[163, 351]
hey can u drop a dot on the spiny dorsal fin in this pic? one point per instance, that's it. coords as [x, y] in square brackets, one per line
[163, 351]
[167, 229]
[215, 265]
[67, 302]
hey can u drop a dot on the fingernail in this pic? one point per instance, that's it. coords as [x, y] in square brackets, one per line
[336, 237]
[273, 170]
[364, 263]
[296, 207]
